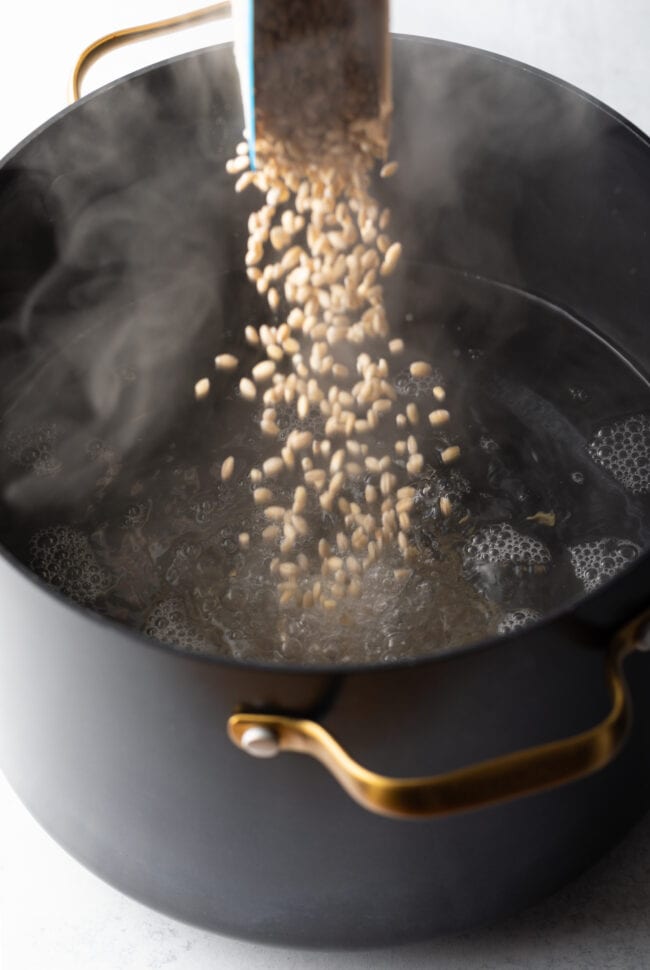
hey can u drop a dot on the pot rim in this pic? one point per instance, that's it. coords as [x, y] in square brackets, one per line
[612, 586]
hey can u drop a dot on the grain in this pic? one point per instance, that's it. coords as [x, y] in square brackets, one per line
[269, 428]
[415, 464]
[446, 506]
[226, 362]
[244, 181]
[262, 496]
[272, 467]
[235, 165]
[439, 418]
[263, 371]
[450, 455]
[318, 250]
[300, 499]
[391, 259]
[227, 468]
[420, 368]
[247, 389]
[202, 389]
[388, 170]
[412, 412]
[274, 352]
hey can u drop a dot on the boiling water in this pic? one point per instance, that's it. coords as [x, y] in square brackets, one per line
[550, 499]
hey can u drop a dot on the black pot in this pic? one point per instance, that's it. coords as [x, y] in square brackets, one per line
[119, 745]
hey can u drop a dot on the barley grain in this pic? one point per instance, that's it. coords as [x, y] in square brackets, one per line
[445, 506]
[412, 412]
[226, 362]
[388, 170]
[415, 464]
[236, 165]
[247, 389]
[450, 455]
[439, 418]
[272, 467]
[202, 389]
[227, 468]
[420, 368]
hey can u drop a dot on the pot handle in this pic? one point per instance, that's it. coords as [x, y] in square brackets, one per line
[119, 38]
[489, 782]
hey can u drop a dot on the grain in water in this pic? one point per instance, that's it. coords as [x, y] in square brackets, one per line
[319, 251]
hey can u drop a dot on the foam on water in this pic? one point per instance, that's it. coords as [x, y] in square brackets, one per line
[623, 449]
[414, 388]
[168, 622]
[64, 558]
[33, 449]
[502, 544]
[517, 619]
[596, 562]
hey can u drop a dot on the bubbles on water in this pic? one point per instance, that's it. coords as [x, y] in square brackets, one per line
[34, 449]
[203, 510]
[578, 478]
[407, 385]
[506, 566]
[413, 613]
[168, 622]
[517, 619]
[488, 444]
[431, 486]
[623, 449]
[595, 562]
[137, 514]
[64, 558]
[502, 544]
[287, 422]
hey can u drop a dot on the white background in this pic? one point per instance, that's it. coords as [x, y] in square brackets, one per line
[56, 916]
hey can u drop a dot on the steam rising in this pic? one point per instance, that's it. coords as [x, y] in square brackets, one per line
[106, 333]
[144, 222]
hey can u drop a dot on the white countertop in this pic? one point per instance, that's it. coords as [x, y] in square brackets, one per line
[54, 915]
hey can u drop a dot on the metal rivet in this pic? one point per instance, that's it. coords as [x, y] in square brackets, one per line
[260, 742]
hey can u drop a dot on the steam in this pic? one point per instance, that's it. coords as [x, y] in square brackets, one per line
[102, 345]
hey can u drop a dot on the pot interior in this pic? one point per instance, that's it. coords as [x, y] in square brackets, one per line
[122, 276]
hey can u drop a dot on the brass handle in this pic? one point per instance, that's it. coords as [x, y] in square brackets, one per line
[476, 786]
[119, 38]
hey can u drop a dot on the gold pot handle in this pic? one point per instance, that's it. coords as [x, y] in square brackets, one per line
[476, 786]
[119, 38]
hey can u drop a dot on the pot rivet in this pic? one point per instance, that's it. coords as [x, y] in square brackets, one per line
[260, 742]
